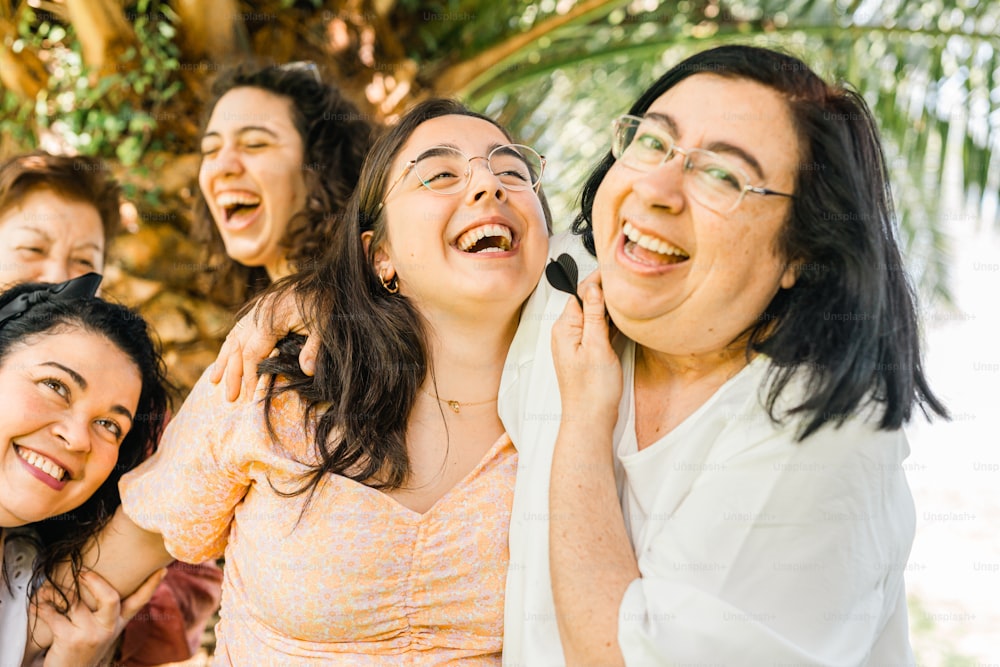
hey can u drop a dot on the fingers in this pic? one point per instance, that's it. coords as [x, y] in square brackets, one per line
[308, 355]
[255, 351]
[234, 371]
[131, 605]
[219, 365]
[595, 323]
[105, 598]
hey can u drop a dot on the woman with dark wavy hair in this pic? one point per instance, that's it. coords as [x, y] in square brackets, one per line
[281, 153]
[83, 390]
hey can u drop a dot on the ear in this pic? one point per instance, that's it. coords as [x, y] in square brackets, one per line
[791, 273]
[381, 259]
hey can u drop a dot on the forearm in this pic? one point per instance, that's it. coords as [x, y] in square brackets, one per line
[590, 555]
[125, 554]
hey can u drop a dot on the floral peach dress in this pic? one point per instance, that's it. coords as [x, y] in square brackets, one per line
[359, 579]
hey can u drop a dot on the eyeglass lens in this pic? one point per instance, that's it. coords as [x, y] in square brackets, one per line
[447, 170]
[713, 180]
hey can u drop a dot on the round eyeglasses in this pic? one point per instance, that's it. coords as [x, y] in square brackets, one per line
[445, 170]
[712, 180]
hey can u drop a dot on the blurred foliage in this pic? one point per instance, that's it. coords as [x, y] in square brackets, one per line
[105, 114]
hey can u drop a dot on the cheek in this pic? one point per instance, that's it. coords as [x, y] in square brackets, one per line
[607, 203]
[100, 464]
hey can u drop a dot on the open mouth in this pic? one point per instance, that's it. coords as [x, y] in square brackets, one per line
[38, 461]
[648, 249]
[238, 207]
[486, 238]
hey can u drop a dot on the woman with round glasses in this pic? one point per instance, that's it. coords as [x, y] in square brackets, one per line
[363, 513]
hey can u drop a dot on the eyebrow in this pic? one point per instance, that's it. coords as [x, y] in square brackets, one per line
[31, 228]
[243, 130]
[82, 383]
[48, 238]
[436, 149]
[715, 146]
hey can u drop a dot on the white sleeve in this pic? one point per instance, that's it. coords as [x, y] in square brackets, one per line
[789, 553]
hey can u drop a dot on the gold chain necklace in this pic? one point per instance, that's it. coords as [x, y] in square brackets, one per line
[455, 405]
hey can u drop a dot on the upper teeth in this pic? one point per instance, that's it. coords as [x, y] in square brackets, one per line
[227, 199]
[42, 463]
[473, 236]
[651, 242]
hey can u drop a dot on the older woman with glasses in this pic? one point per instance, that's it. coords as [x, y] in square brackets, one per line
[720, 481]
[363, 514]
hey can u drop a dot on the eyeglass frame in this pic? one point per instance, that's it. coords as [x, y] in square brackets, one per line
[687, 166]
[468, 170]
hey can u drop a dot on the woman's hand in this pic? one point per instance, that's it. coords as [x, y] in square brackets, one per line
[85, 635]
[253, 339]
[587, 368]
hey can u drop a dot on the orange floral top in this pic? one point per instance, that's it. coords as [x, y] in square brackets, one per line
[354, 579]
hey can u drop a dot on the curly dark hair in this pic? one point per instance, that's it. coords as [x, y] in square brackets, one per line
[842, 233]
[335, 136]
[62, 538]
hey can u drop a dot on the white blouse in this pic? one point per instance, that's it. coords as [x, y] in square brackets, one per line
[17, 557]
[753, 548]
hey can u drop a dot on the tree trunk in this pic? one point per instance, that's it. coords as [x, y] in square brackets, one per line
[209, 28]
[104, 33]
[458, 76]
[22, 73]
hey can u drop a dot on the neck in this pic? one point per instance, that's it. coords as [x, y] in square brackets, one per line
[668, 371]
[467, 356]
[278, 268]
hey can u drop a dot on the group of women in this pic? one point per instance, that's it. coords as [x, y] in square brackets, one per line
[687, 463]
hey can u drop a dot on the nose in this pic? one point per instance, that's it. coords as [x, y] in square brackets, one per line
[54, 270]
[225, 161]
[483, 183]
[74, 432]
[663, 187]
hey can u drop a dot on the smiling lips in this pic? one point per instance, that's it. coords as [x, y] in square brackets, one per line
[239, 207]
[57, 474]
[491, 237]
[648, 249]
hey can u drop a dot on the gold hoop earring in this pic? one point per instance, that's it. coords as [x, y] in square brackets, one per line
[392, 286]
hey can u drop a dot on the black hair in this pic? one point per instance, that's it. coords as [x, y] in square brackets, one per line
[850, 322]
[335, 137]
[63, 538]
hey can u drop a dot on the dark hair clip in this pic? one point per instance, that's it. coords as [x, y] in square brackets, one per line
[562, 274]
[76, 288]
